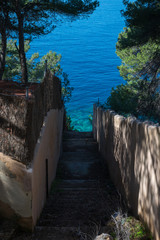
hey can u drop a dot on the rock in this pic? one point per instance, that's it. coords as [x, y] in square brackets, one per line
[104, 236]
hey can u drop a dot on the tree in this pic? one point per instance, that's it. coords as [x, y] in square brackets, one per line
[123, 99]
[6, 25]
[138, 47]
[3, 24]
[142, 17]
[37, 17]
[36, 67]
[140, 68]
[32, 19]
[138, 62]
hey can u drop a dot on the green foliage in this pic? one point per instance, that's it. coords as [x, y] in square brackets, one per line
[68, 123]
[13, 68]
[75, 7]
[36, 67]
[138, 230]
[25, 19]
[66, 88]
[90, 118]
[123, 227]
[141, 69]
[137, 61]
[142, 16]
[123, 99]
[135, 99]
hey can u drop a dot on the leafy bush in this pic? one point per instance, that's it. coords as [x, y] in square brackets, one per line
[68, 126]
[123, 99]
[66, 88]
[141, 69]
[36, 67]
[135, 99]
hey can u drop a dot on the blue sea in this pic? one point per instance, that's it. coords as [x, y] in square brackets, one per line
[87, 46]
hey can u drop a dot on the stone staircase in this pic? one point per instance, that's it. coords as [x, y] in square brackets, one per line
[82, 197]
[7, 229]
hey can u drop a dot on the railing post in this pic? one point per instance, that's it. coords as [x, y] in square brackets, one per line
[46, 67]
[47, 190]
[27, 92]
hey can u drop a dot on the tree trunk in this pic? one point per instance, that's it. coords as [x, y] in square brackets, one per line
[22, 54]
[3, 51]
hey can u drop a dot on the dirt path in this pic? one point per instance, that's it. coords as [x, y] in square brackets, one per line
[82, 198]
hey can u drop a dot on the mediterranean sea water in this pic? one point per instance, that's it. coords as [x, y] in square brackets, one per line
[87, 46]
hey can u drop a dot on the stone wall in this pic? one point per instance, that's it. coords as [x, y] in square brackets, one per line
[131, 150]
[16, 191]
[21, 119]
[47, 148]
[30, 135]
[13, 129]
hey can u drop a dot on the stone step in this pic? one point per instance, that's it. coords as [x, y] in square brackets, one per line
[79, 145]
[47, 233]
[7, 229]
[81, 140]
[62, 198]
[69, 221]
[62, 233]
[79, 156]
[77, 185]
[73, 134]
[78, 170]
[67, 233]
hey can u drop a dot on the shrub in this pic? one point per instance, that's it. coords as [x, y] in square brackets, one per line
[123, 99]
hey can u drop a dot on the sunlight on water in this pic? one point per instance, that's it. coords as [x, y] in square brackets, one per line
[80, 118]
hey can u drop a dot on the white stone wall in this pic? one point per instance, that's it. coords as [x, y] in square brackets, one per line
[131, 150]
[22, 190]
[48, 147]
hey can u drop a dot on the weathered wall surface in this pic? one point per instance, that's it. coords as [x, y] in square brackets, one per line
[30, 133]
[21, 119]
[15, 191]
[14, 112]
[131, 150]
[22, 190]
[48, 147]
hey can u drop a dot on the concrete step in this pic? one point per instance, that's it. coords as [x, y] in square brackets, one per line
[80, 146]
[63, 233]
[82, 140]
[72, 196]
[83, 155]
[68, 233]
[73, 134]
[46, 233]
[71, 169]
[77, 185]
[7, 229]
